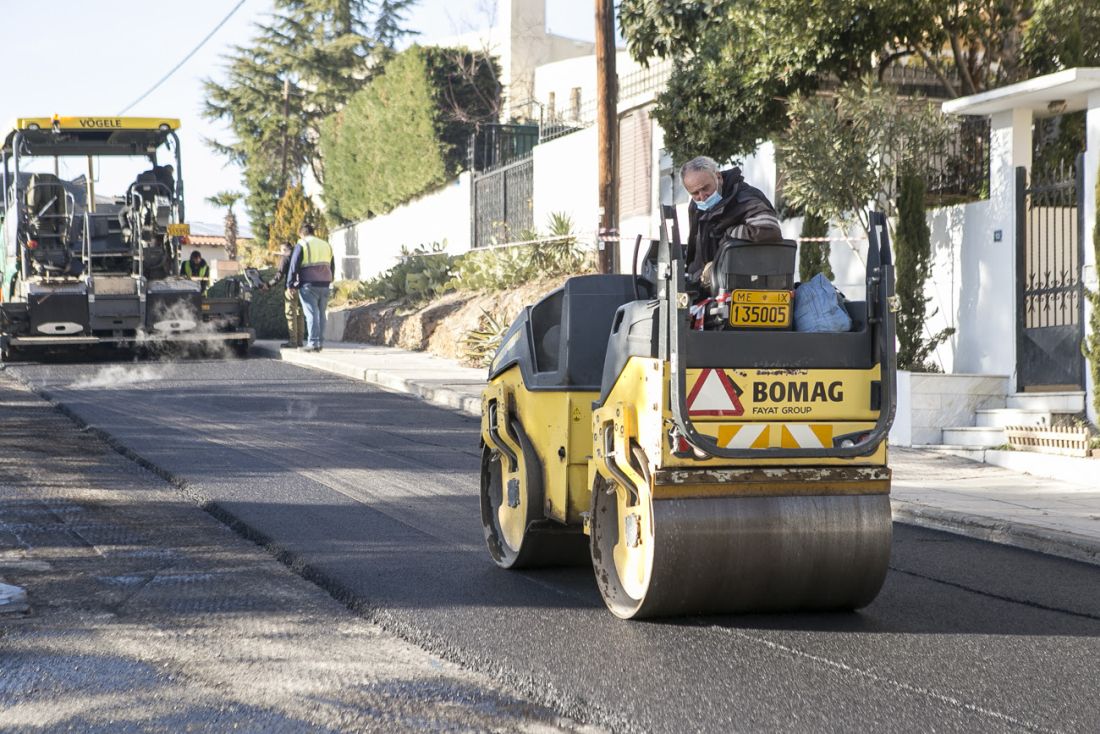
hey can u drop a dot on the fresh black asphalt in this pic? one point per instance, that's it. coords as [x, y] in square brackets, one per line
[374, 496]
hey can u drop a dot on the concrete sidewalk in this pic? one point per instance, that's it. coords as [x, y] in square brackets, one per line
[1046, 514]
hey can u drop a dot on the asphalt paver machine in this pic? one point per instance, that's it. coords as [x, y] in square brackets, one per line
[700, 464]
[81, 269]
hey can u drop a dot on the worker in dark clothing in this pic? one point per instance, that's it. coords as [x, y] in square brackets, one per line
[722, 207]
[165, 176]
[157, 181]
[195, 268]
[292, 306]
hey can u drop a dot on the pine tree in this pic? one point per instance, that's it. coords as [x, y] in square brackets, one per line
[263, 105]
[813, 257]
[387, 22]
[300, 67]
[228, 199]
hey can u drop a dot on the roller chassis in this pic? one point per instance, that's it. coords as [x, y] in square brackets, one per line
[678, 512]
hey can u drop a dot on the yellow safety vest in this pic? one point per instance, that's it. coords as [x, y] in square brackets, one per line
[315, 251]
[203, 271]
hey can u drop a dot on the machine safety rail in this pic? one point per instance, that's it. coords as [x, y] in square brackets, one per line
[675, 301]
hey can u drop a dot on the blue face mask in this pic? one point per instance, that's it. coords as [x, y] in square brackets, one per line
[708, 202]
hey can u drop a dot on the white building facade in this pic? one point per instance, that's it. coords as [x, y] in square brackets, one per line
[975, 284]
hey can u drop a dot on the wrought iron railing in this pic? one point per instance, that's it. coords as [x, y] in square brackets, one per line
[503, 203]
[643, 81]
[960, 172]
[497, 145]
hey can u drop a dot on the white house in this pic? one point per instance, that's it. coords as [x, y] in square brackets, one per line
[986, 284]
[519, 40]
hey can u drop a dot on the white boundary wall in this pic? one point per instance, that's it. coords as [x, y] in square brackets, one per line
[972, 283]
[370, 247]
[567, 181]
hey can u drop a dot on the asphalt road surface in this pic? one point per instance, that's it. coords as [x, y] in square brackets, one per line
[373, 495]
[145, 614]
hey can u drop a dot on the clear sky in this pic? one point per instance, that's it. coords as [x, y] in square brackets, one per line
[95, 57]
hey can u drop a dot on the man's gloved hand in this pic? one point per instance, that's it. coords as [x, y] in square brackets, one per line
[705, 277]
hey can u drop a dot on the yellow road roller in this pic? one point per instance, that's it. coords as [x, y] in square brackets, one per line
[702, 454]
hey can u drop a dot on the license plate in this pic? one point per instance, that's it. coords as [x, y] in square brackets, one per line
[760, 309]
[179, 230]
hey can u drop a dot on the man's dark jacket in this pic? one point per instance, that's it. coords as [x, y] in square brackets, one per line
[707, 230]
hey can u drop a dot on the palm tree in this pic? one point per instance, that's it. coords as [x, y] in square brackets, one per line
[228, 199]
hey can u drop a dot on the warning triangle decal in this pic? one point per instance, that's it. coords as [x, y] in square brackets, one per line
[714, 393]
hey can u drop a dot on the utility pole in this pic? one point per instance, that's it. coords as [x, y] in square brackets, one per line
[286, 132]
[607, 126]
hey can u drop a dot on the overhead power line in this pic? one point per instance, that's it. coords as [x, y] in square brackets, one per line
[185, 59]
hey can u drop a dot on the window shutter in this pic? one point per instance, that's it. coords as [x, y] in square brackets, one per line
[635, 164]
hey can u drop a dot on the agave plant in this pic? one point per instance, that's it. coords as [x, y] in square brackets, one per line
[480, 344]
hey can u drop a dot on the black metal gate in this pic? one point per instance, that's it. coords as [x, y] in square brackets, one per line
[503, 203]
[1050, 295]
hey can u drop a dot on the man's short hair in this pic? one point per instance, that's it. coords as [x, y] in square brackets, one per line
[306, 228]
[699, 163]
[195, 253]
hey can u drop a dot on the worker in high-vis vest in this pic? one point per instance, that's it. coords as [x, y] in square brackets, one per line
[311, 268]
[196, 268]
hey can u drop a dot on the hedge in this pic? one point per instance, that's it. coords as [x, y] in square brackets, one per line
[406, 132]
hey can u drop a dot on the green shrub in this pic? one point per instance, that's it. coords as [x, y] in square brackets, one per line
[428, 271]
[343, 291]
[266, 311]
[407, 131]
[500, 268]
[422, 273]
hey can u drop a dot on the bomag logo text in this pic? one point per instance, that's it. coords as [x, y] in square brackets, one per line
[797, 392]
[100, 122]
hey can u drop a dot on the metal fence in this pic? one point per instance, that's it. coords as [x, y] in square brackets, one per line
[961, 171]
[582, 113]
[496, 145]
[503, 203]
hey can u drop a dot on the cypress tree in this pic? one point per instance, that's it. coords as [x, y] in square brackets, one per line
[913, 246]
[813, 257]
[913, 266]
[293, 209]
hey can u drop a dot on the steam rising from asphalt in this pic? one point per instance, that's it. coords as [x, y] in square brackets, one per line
[117, 376]
[200, 339]
[303, 410]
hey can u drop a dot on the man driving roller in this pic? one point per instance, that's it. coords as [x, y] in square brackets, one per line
[722, 207]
